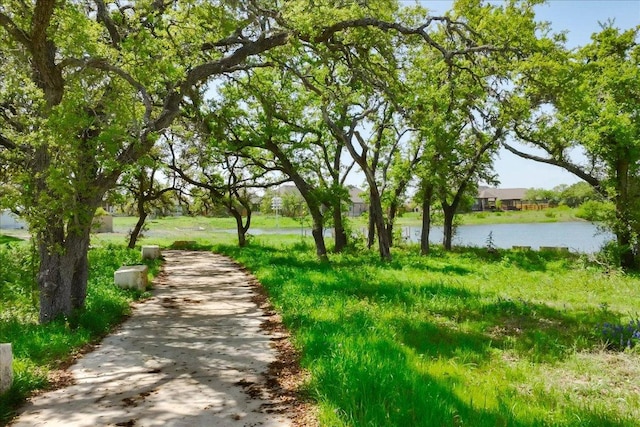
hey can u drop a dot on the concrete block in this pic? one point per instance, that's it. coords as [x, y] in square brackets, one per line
[103, 224]
[150, 252]
[521, 248]
[6, 367]
[132, 277]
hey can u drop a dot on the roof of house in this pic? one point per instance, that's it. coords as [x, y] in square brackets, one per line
[355, 194]
[286, 189]
[502, 193]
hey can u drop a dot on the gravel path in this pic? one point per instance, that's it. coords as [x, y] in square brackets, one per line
[192, 355]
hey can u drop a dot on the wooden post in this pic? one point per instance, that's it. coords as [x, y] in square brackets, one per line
[6, 367]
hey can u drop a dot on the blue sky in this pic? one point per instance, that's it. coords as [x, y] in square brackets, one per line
[580, 18]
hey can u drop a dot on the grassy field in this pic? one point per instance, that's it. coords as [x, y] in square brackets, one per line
[202, 229]
[559, 214]
[456, 339]
[41, 349]
[196, 227]
[468, 338]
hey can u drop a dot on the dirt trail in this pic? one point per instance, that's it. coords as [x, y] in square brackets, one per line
[192, 355]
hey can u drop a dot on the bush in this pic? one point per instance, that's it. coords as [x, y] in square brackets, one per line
[18, 269]
[595, 211]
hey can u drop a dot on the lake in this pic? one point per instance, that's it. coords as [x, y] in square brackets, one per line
[577, 236]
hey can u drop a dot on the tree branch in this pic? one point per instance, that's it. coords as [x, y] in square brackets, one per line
[7, 143]
[103, 15]
[101, 64]
[570, 167]
[16, 32]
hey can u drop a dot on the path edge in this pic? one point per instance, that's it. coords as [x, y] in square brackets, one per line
[285, 376]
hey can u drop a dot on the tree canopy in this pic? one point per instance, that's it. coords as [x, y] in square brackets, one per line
[300, 91]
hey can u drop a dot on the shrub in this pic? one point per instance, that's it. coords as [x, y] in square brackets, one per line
[595, 211]
[18, 269]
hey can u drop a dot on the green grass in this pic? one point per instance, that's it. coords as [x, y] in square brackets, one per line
[8, 239]
[38, 349]
[199, 225]
[559, 214]
[463, 338]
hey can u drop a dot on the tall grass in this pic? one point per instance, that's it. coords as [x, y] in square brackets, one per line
[38, 349]
[466, 338]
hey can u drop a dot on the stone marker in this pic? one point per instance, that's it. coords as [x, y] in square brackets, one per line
[103, 224]
[132, 276]
[150, 252]
[6, 367]
[521, 248]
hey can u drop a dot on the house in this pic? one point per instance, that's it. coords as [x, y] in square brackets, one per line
[489, 199]
[358, 205]
[8, 220]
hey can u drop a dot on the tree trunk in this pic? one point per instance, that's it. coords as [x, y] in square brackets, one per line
[389, 231]
[307, 193]
[64, 270]
[371, 229]
[449, 213]
[340, 239]
[393, 211]
[625, 245]
[317, 230]
[135, 233]
[426, 220]
[384, 245]
[240, 228]
[623, 226]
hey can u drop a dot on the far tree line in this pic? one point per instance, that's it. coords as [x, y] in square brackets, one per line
[166, 197]
[233, 96]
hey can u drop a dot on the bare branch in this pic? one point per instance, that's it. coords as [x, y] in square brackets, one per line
[420, 31]
[204, 71]
[565, 164]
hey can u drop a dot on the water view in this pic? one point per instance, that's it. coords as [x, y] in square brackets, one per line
[577, 236]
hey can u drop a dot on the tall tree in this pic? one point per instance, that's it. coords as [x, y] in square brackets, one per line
[588, 99]
[457, 103]
[86, 86]
[203, 156]
[273, 131]
[143, 188]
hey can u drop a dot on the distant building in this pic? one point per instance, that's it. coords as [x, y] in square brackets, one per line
[8, 220]
[489, 199]
[358, 205]
[287, 189]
